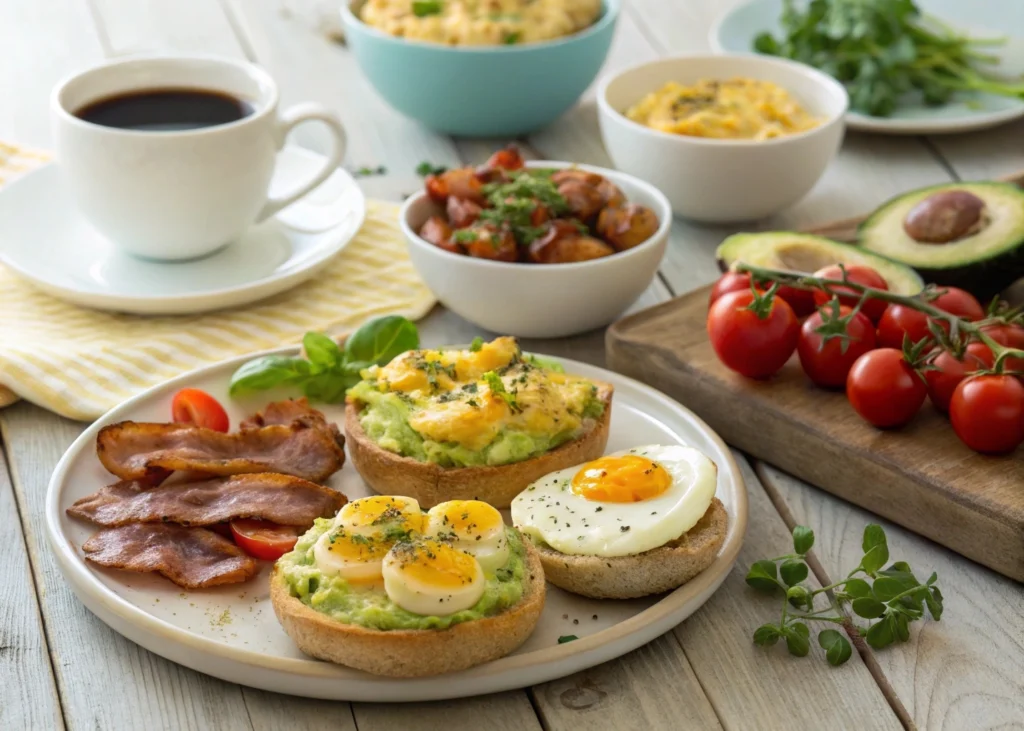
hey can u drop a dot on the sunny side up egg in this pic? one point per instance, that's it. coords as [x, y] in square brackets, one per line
[430, 563]
[622, 504]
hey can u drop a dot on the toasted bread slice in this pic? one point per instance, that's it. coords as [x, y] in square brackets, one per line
[412, 653]
[392, 474]
[652, 572]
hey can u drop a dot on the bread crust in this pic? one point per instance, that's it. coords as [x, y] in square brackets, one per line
[412, 653]
[392, 474]
[652, 572]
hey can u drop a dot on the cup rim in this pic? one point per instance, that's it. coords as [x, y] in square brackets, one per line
[821, 79]
[609, 16]
[664, 225]
[268, 105]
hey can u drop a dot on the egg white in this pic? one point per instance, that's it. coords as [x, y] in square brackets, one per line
[550, 511]
[359, 568]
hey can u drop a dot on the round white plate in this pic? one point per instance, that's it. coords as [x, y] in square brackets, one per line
[45, 240]
[735, 31]
[231, 632]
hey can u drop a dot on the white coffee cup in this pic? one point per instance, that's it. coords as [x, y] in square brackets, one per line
[176, 195]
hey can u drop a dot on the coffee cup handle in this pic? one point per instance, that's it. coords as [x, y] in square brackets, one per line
[291, 118]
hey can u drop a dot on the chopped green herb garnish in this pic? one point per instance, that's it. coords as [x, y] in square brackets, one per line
[465, 236]
[366, 172]
[512, 38]
[497, 387]
[426, 168]
[567, 638]
[423, 8]
[475, 346]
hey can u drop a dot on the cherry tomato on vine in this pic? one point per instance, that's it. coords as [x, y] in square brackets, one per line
[753, 342]
[865, 276]
[957, 302]
[987, 413]
[884, 389]
[801, 300]
[947, 372]
[192, 406]
[1012, 336]
[826, 362]
[900, 320]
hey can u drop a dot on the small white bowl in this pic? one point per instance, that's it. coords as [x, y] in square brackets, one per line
[540, 300]
[716, 180]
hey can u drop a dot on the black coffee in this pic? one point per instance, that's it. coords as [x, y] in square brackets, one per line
[165, 110]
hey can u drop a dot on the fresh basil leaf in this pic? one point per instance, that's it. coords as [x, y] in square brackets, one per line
[933, 599]
[798, 639]
[857, 588]
[874, 536]
[803, 539]
[886, 588]
[766, 635]
[381, 339]
[763, 576]
[880, 634]
[868, 608]
[875, 559]
[267, 372]
[321, 351]
[328, 387]
[793, 571]
[837, 647]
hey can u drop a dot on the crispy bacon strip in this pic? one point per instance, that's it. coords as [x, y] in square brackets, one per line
[285, 412]
[193, 558]
[133, 450]
[279, 498]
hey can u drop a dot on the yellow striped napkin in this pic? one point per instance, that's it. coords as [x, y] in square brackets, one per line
[80, 363]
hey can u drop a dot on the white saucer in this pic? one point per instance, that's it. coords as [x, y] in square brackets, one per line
[45, 240]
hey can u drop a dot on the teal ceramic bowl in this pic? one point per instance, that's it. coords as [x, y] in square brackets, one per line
[489, 91]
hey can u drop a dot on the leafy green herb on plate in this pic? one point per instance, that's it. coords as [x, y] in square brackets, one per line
[328, 370]
[423, 8]
[893, 596]
[426, 168]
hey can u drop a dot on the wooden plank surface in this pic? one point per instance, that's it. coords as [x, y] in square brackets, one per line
[919, 476]
[28, 693]
[965, 672]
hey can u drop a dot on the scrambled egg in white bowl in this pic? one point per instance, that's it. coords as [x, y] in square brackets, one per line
[480, 22]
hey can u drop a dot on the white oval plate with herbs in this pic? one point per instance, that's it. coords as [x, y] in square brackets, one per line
[230, 632]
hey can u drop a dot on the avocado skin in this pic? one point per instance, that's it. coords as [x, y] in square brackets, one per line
[984, 278]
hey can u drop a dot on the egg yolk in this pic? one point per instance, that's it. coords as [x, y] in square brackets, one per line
[626, 479]
[382, 512]
[436, 564]
[466, 518]
[354, 548]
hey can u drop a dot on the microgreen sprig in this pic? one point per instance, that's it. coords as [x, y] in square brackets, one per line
[892, 595]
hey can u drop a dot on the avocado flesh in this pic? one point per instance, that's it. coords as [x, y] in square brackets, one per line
[983, 263]
[796, 252]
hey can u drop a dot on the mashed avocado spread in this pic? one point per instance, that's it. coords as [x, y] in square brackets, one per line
[486, 405]
[370, 607]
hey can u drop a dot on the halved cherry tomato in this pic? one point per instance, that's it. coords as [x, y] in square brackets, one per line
[263, 539]
[884, 389]
[947, 372]
[801, 300]
[508, 158]
[748, 344]
[1012, 336]
[987, 413]
[900, 320]
[957, 302]
[192, 406]
[865, 276]
[826, 363]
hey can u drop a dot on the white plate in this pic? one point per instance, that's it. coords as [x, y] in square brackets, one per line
[45, 240]
[231, 632]
[734, 32]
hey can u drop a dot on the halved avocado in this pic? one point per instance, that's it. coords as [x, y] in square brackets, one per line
[796, 252]
[968, 235]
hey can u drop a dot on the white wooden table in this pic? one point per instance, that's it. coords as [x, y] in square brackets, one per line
[61, 667]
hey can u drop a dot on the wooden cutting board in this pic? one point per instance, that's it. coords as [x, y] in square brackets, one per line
[920, 476]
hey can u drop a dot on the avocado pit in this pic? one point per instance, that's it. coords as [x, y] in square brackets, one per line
[945, 217]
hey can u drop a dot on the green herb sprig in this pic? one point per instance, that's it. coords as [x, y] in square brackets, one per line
[423, 8]
[497, 386]
[882, 49]
[513, 202]
[893, 596]
[426, 168]
[328, 370]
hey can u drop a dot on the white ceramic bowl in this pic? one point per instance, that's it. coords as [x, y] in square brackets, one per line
[540, 300]
[723, 180]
